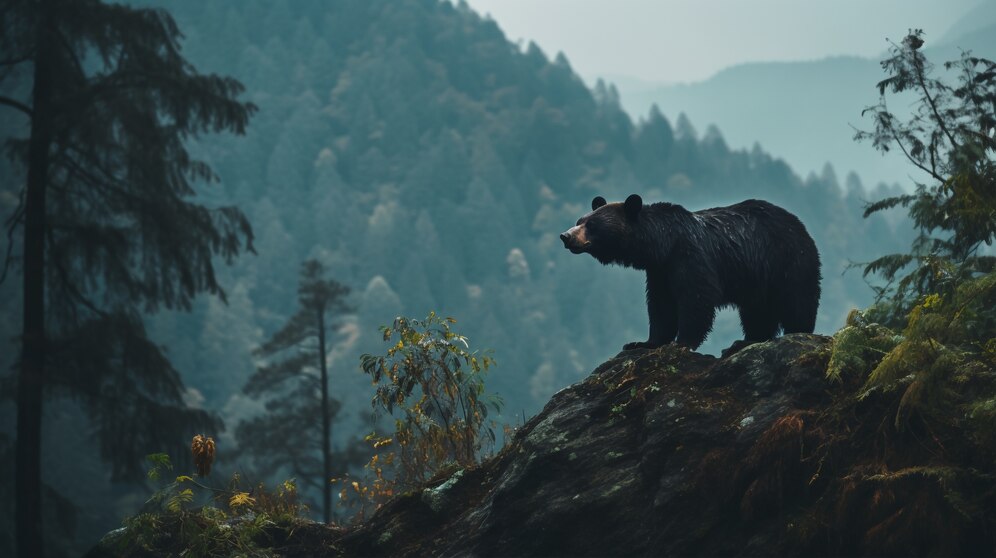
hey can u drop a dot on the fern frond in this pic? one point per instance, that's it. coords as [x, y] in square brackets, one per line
[888, 266]
[912, 399]
[897, 364]
[179, 499]
[857, 348]
[160, 462]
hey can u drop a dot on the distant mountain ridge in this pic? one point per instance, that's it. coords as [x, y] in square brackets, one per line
[979, 20]
[804, 111]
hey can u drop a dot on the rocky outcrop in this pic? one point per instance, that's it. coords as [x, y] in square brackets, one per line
[669, 452]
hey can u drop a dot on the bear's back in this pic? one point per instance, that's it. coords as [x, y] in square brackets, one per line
[747, 243]
[752, 219]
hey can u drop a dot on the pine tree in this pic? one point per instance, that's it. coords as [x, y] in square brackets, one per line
[297, 387]
[654, 142]
[109, 227]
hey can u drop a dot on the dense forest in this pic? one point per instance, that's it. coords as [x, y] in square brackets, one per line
[431, 164]
[428, 164]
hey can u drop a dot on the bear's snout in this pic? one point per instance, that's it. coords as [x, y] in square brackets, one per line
[574, 239]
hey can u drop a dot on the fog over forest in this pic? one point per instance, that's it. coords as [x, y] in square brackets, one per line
[428, 163]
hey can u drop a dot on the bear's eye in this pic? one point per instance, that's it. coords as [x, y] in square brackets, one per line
[591, 226]
[578, 223]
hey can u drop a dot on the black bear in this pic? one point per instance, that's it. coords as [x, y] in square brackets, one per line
[753, 255]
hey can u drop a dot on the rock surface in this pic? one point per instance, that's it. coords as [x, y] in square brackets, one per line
[669, 452]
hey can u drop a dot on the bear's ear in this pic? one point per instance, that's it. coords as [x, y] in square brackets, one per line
[633, 205]
[599, 201]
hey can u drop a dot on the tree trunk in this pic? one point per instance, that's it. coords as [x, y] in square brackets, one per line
[31, 377]
[326, 422]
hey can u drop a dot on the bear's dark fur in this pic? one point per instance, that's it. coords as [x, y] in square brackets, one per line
[752, 255]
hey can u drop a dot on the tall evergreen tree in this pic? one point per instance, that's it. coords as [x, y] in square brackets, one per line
[654, 141]
[297, 387]
[108, 222]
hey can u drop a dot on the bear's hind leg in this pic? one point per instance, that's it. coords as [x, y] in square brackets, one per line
[800, 296]
[759, 322]
[798, 312]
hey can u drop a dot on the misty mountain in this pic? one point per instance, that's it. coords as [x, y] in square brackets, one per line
[974, 30]
[806, 111]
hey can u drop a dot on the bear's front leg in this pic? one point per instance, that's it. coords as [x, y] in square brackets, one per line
[662, 312]
[695, 319]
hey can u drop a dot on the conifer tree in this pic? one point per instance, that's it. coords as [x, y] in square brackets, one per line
[296, 385]
[108, 225]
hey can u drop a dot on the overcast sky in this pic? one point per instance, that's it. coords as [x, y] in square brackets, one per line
[689, 40]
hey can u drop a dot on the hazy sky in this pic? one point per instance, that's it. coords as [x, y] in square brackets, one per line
[689, 40]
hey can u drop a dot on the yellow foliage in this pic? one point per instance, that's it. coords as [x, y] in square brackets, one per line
[241, 499]
[939, 346]
[858, 346]
[932, 301]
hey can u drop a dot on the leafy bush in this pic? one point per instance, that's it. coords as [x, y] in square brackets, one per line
[437, 388]
[228, 521]
[432, 384]
[942, 361]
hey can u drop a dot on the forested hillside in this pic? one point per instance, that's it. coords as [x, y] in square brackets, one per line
[430, 164]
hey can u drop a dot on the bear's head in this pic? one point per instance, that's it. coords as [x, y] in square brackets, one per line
[608, 232]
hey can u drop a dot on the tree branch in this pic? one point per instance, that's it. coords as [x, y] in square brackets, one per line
[67, 284]
[18, 105]
[895, 136]
[16, 60]
[930, 100]
[11, 224]
[9, 256]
